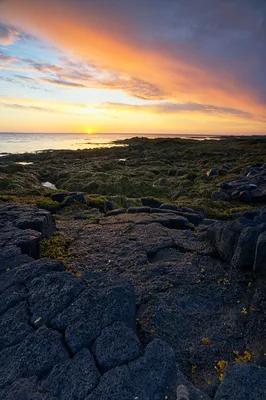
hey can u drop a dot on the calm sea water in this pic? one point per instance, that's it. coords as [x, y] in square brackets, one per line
[32, 142]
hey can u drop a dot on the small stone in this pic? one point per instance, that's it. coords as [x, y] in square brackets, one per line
[220, 196]
[211, 172]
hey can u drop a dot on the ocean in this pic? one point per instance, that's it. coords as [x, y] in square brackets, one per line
[33, 142]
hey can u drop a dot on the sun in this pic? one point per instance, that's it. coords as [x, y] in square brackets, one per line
[89, 131]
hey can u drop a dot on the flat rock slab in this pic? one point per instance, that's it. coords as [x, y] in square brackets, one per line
[91, 337]
[203, 307]
[64, 337]
[27, 217]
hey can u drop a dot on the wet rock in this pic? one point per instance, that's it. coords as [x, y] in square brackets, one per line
[73, 379]
[220, 196]
[243, 381]
[116, 345]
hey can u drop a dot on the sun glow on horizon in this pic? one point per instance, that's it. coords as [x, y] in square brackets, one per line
[89, 131]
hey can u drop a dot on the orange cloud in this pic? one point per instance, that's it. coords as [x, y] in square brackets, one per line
[98, 37]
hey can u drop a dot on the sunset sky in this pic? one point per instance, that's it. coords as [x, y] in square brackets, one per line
[169, 66]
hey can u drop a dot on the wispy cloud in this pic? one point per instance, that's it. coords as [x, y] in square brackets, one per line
[78, 75]
[178, 108]
[10, 34]
[211, 52]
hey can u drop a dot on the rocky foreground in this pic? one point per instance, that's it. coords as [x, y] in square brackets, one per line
[151, 298]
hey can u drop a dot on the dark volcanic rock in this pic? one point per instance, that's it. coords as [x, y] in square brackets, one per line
[148, 377]
[25, 273]
[116, 212]
[220, 196]
[116, 345]
[27, 217]
[243, 382]
[39, 352]
[14, 325]
[211, 172]
[135, 210]
[251, 214]
[59, 197]
[52, 321]
[260, 255]
[151, 202]
[26, 389]
[107, 306]
[52, 293]
[70, 200]
[170, 207]
[245, 196]
[73, 379]
[241, 242]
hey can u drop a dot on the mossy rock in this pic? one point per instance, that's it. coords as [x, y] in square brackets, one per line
[48, 204]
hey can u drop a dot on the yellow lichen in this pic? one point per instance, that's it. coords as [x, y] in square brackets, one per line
[220, 367]
[246, 357]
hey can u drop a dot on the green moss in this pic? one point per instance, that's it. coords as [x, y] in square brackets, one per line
[57, 247]
[48, 204]
[8, 199]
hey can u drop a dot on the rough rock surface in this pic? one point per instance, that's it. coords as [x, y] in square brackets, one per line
[204, 307]
[243, 381]
[22, 227]
[250, 187]
[69, 337]
[90, 337]
[242, 242]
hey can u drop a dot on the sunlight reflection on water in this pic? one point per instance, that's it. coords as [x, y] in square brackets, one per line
[32, 142]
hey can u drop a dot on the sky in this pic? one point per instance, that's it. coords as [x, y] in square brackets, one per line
[142, 66]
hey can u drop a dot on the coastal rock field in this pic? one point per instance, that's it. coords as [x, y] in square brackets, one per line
[144, 286]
